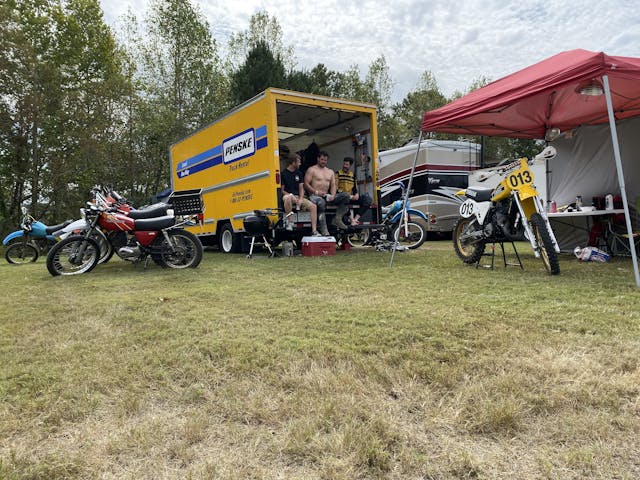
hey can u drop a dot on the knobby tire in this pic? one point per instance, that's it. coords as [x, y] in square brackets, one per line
[19, 252]
[545, 244]
[469, 254]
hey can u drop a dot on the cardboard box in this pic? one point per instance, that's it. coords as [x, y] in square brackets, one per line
[318, 246]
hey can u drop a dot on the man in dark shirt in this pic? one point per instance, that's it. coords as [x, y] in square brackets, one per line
[293, 193]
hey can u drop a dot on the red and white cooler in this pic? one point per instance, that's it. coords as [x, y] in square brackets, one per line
[318, 246]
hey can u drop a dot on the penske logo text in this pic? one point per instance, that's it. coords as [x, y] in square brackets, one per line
[239, 146]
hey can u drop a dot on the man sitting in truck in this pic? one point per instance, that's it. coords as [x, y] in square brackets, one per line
[320, 183]
[293, 192]
[347, 184]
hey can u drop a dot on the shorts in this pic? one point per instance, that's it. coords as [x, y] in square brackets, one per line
[305, 205]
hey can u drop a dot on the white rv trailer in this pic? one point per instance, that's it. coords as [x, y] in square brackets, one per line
[442, 169]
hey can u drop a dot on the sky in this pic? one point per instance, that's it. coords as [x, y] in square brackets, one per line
[458, 41]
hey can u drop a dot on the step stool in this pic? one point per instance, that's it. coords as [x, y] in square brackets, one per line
[492, 254]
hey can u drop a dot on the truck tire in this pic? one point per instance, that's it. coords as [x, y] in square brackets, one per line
[228, 240]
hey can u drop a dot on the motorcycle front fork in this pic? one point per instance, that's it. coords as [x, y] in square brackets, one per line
[539, 208]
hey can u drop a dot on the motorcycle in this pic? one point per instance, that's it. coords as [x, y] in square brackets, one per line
[161, 238]
[397, 228]
[508, 212]
[110, 242]
[33, 239]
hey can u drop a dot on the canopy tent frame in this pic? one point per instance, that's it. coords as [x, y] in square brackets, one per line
[623, 190]
[527, 103]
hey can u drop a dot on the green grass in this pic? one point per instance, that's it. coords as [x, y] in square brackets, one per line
[332, 368]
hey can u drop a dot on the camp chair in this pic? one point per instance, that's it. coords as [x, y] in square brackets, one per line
[618, 237]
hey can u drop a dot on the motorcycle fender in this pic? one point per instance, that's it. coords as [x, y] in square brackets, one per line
[410, 212]
[527, 191]
[417, 213]
[12, 235]
[73, 227]
[528, 205]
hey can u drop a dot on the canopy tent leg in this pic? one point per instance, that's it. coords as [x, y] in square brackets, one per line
[406, 195]
[623, 193]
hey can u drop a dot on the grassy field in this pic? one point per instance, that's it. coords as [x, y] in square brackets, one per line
[328, 368]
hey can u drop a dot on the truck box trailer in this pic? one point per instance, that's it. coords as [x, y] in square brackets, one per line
[236, 161]
[442, 168]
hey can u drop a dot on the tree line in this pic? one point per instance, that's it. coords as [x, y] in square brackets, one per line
[82, 103]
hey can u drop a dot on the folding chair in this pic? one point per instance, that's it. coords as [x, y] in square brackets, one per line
[618, 237]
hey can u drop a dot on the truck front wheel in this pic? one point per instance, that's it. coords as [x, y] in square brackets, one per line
[228, 241]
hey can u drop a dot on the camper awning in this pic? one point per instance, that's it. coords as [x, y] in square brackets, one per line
[547, 94]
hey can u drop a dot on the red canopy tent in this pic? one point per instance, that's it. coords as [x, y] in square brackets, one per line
[527, 103]
[568, 90]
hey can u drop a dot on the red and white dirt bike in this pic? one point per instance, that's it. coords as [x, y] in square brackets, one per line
[162, 238]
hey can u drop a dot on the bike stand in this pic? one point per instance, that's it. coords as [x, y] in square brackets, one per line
[504, 257]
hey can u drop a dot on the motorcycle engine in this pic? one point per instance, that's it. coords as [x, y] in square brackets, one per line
[126, 248]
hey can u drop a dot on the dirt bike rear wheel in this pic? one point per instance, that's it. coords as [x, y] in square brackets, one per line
[468, 253]
[185, 251]
[412, 237]
[20, 252]
[65, 257]
[359, 238]
[545, 244]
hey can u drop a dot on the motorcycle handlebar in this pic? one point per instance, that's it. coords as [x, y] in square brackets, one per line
[117, 196]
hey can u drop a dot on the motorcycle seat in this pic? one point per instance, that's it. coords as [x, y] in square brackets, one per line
[55, 228]
[158, 223]
[152, 211]
[479, 194]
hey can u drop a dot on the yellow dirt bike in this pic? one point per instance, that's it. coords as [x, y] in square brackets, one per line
[505, 213]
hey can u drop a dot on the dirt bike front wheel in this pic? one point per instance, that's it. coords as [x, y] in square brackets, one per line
[20, 252]
[73, 255]
[185, 250]
[545, 244]
[468, 252]
[411, 235]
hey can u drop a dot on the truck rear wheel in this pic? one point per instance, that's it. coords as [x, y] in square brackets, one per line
[228, 240]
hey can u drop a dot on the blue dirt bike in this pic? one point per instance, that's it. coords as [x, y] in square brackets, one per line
[398, 228]
[33, 238]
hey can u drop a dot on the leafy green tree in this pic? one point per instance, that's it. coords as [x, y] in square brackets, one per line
[405, 120]
[29, 94]
[181, 87]
[59, 91]
[90, 67]
[378, 84]
[263, 30]
[260, 71]
[181, 67]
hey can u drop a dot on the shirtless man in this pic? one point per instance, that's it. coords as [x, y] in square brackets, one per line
[320, 183]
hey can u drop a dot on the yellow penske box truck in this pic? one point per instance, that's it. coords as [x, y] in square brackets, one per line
[236, 160]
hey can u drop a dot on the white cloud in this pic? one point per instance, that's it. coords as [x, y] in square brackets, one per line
[458, 41]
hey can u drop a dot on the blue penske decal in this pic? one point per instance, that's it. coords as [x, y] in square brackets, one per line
[241, 145]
